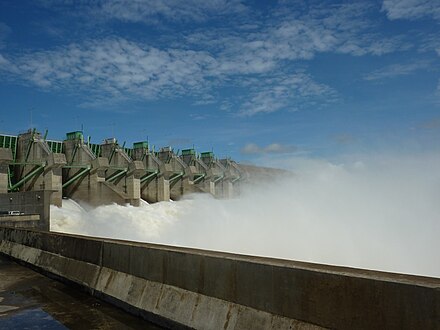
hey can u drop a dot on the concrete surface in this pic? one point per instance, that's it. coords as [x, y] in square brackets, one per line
[29, 300]
[172, 176]
[5, 159]
[204, 289]
[30, 203]
[34, 147]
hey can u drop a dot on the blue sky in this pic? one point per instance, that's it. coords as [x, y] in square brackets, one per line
[248, 79]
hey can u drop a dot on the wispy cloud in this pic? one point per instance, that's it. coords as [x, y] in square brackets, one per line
[3, 62]
[291, 36]
[411, 9]
[396, 70]
[117, 67]
[150, 11]
[273, 94]
[268, 51]
[274, 148]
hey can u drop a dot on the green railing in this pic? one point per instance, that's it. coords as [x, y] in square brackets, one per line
[96, 149]
[10, 142]
[129, 152]
[56, 146]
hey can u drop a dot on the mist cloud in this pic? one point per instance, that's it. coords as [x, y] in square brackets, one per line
[372, 211]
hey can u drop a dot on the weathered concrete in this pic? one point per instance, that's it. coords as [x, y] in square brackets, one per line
[233, 175]
[108, 173]
[119, 162]
[90, 188]
[154, 187]
[29, 300]
[204, 289]
[34, 207]
[33, 153]
[199, 175]
[5, 160]
[175, 172]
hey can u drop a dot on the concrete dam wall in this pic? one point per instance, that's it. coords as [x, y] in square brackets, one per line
[107, 173]
[180, 287]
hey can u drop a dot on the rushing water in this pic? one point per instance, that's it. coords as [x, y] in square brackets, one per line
[379, 213]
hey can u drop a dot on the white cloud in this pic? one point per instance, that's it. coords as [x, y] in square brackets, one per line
[289, 37]
[3, 61]
[117, 68]
[274, 148]
[270, 95]
[269, 53]
[150, 11]
[396, 70]
[411, 9]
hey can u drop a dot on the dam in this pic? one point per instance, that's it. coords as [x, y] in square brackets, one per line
[106, 173]
[178, 287]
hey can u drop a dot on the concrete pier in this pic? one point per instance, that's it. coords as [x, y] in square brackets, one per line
[197, 172]
[123, 174]
[85, 172]
[233, 175]
[37, 167]
[175, 171]
[221, 174]
[153, 185]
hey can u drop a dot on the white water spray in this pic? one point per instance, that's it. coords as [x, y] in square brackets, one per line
[378, 213]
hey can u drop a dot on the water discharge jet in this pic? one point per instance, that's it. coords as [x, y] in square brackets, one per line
[378, 212]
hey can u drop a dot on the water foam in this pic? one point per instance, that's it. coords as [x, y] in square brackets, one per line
[377, 213]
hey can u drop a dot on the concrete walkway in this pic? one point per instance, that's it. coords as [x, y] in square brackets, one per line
[29, 300]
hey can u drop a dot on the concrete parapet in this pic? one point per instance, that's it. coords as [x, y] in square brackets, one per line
[212, 290]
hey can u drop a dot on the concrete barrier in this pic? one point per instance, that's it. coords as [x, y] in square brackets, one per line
[212, 290]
